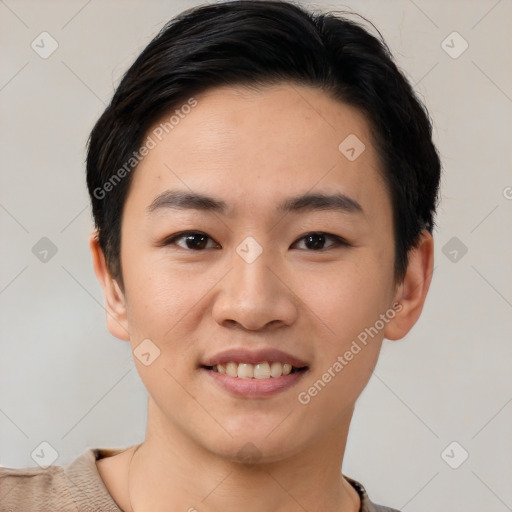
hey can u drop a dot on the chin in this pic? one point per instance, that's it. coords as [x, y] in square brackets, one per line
[258, 448]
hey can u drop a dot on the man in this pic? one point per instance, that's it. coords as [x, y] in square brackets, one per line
[263, 186]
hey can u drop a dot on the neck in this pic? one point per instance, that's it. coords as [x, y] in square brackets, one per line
[172, 472]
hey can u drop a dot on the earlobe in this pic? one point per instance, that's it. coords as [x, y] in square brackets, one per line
[115, 303]
[412, 291]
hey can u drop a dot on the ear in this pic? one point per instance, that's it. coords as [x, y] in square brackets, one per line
[412, 291]
[117, 322]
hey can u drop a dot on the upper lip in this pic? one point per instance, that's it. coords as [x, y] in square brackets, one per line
[244, 355]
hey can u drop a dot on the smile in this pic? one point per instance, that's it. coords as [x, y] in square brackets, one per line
[264, 386]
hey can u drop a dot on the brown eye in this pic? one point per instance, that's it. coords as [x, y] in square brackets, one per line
[193, 240]
[317, 241]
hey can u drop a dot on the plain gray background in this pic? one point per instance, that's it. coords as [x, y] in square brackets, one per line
[65, 380]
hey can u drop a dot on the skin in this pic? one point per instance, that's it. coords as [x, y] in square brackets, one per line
[252, 149]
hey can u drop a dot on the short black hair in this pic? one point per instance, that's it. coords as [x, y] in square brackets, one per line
[258, 43]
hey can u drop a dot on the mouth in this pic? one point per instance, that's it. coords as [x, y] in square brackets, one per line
[253, 373]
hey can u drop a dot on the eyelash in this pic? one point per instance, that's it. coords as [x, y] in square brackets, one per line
[338, 241]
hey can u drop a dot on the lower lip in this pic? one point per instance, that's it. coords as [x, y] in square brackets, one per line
[255, 388]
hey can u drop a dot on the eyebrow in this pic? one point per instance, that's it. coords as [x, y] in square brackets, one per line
[181, 200]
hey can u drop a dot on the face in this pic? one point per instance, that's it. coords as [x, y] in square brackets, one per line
[258, 273]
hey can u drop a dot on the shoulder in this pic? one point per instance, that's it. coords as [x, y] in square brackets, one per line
[30, 487]
[75, 487]
[366, 504]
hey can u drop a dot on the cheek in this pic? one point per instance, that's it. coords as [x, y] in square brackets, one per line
[168, 303]
[346, 298]
[163, 307]
[158, 300]
[346, 309]
[154, 298]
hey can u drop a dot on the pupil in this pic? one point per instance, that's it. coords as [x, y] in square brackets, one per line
[317, 241]
[192, 245]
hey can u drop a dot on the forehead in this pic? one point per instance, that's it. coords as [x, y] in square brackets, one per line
[256, 146]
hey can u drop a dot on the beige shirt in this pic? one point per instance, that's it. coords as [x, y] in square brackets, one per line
[78, 487]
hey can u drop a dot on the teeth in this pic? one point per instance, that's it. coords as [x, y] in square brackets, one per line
[263, 370]
[245, 371]
[232, 369]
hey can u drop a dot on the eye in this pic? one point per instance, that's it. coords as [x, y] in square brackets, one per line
[316, 241]
[194, 240]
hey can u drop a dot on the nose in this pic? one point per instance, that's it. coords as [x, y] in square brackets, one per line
[256, 295]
